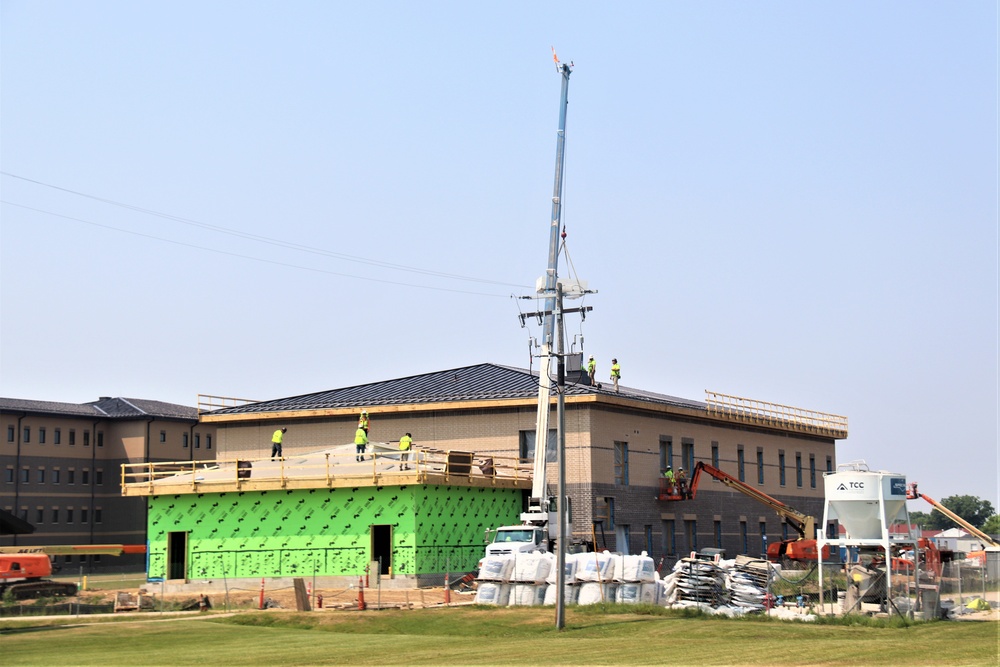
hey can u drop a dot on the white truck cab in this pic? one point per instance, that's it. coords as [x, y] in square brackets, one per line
[518, 539]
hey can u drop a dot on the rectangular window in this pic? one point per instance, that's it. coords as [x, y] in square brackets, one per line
[611, 513]
[798, 469]
[208, 442]
[669, 538]
[184, 440]
[781, 467]
[829, 464]
[41, 476]
[9, 476]
[715, 454]
[69, 515]
[98, 515]
[163, 436]
[25, 475]
[55, 515]
[72, 437]
[86, 437]
[744, 537]
[40, 515]
[100, 438]
[649, 539]
[763, 539]
[85, 476]
[10, 434]
[760, 465]
[665, 454]
[197, 440]
[99, 476]
[84, 514]
[718, 534]
[687, 454]
[812, 470]
[71, 476]
[621, 463]
[57, 436]
[784, 530]
[55, 475]
[41, 435]
[691, 534]
[26, 435]
[526, 446]
[741, 463]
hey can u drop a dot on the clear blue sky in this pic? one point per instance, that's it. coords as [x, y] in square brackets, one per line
[794, 202]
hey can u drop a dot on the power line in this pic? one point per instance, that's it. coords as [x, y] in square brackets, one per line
[262, 239]
[250, 257]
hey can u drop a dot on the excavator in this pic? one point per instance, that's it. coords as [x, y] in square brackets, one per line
[912, 493]
[23, 570]
[803, 548]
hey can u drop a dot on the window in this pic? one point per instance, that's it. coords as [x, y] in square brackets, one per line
[86, 438]
[55, 475]
[715, 454]
[621, 463]
[69, 515]
[25, 475]
[26, 435]
[798, 469]
[10, 434]
[84, 512]
[665, 454]
[687, 454]
[99, 476]
[56, 436]
[691, 534]
[55, 515]
[184, 440]
[208, 442]
[197, 440]
[829, 464]
[718, 534]
[812, 470]
[760, 465]
[163, 436]
[610, 502]
[784, 530]
[648, 530]
[72, 437]
[740, 463]
[85, 476]
[100, 438]
[41, 435]
[781, 467]
[9, 476]
[743, 537]
[763, 538]
[527, 446]
[669, 538]
[40, 515]
[41, 476]
[98, 515]
[71, 476]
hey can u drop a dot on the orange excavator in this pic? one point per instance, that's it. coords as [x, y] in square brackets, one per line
[23, 570]
[803, 548]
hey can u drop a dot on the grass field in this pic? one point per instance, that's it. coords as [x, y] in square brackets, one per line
[489, 636]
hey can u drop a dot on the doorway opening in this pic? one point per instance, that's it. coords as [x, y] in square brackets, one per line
[177, 555]
[382, 547]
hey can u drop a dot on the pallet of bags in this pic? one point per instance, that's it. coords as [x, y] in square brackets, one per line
[527, 595]
[636, 568]
[496, 568]
[493, 593]
[596, 566]
[593, 593]
[571, 593]
[532, 568]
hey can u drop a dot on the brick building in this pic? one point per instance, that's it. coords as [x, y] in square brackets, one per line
[617, 445]
[61, 467]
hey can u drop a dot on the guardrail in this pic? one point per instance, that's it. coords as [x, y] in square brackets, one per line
[322, 469]
[774, 414]
[207, 403]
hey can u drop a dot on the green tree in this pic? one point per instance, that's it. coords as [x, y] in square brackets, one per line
[922, 519]
[971, 508]
[992, 525]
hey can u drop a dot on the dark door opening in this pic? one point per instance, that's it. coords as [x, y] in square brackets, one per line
[177, 555]
[382, 547]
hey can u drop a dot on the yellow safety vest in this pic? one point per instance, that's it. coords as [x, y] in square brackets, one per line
[616, 371]
[360, 437]
[405, 442]
[276, 438]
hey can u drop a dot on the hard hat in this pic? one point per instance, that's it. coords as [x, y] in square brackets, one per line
[364, 412]
[680, 468]
[591, 356]
[283, 429]
[669, 468]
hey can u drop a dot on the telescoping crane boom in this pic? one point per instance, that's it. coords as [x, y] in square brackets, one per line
[803, 548]
[912, 494]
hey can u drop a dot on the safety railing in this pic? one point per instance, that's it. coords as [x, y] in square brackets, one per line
[207, 403]
[324, 469]
[774, 414]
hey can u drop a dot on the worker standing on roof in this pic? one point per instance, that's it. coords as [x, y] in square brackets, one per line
[591, 369]
[404, 447]
[276, 442]
[360, 443]
[616, 373]
[363, 421]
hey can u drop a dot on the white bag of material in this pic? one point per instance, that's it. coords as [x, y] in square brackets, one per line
[569, 571]
[634, 592]
[596, 567]
[636, 568]
[496, 568]
[594, 593]
[493, 593]
[570, 594]
[532, 568]
[527, 595]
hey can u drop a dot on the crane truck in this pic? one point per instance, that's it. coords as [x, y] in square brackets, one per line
[803, 548]
[23, 570]
[538, 528]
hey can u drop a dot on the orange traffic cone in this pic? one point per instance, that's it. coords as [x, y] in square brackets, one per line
[361, 594]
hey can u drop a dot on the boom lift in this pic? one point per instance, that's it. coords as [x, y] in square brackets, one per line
[23, 570]
[801, 549]
[980, 556]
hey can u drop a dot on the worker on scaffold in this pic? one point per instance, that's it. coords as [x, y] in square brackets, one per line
[668, 475]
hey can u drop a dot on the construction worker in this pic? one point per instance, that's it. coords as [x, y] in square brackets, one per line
[616, 373]
[276, 442]
[668, 475]
[682, 482]
[360, 443]
[404, 447]
[363, 421]
[591, 369]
